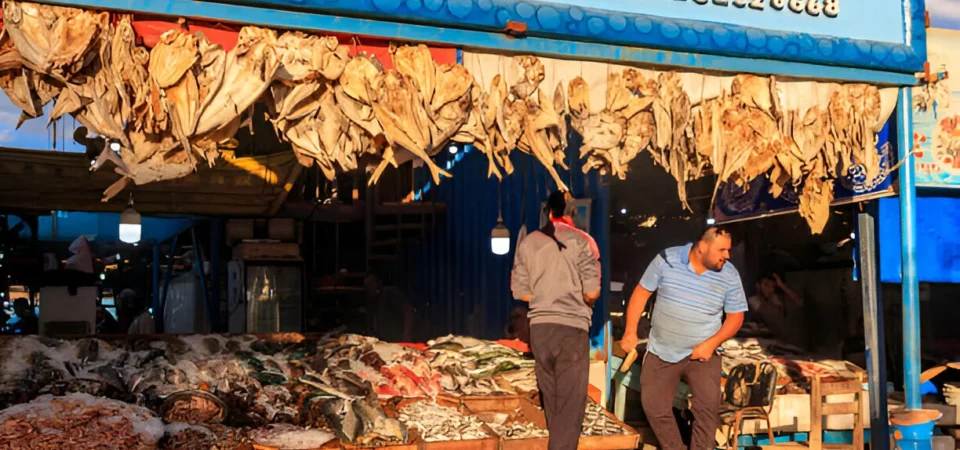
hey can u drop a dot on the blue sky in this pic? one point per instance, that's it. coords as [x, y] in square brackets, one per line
[34, 134]
[944, 13]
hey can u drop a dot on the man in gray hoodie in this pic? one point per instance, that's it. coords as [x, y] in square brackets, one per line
[557, 270]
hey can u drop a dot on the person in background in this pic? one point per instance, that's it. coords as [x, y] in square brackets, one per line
[142, 320]
[767, 307]
[695, 288]
[25, 322]
[393, 317]
[556, 270]
[106, 324]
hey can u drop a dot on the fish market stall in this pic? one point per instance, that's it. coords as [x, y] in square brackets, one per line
[285, 391]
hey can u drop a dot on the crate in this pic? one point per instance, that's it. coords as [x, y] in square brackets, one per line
[484, 403]
[490, 443]
[527, 411]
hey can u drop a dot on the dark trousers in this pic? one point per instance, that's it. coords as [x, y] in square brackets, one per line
[658, 386]
[563, 365]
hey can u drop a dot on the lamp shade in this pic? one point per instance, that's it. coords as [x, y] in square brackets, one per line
[500, 239]
[130, 226]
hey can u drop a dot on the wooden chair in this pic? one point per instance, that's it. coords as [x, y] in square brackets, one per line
[819, 390]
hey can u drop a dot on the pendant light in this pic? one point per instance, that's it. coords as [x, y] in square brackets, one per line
[500, 236]
[130, 224]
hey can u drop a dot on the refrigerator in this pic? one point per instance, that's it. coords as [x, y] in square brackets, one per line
[265, 296]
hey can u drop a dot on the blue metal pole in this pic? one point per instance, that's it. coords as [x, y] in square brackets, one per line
[873, 327]
[908, 246]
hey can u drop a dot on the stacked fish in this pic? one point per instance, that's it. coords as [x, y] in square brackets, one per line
[215, 385]
[475, 367]
[437, 423]
[508, 426]
[596, 422]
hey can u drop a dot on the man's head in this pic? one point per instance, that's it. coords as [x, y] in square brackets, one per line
[21, 307]
[557, 205]
[713, 247]
[128, 299]
[767, 285]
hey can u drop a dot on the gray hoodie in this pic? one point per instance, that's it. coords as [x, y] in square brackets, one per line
[557, 278]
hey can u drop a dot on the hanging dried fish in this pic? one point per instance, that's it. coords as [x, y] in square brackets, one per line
[54, 40]
[250, 69]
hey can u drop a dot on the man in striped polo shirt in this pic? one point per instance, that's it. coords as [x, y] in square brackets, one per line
[695, 287]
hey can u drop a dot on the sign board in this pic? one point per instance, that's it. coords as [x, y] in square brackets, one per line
[938, 239]
[734, 204]
[837, 18]
[936, 115]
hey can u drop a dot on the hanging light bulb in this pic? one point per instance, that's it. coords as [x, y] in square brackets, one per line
[453, 149]
[711, 222]
[130, 224]
[114, 145]
[500, 239]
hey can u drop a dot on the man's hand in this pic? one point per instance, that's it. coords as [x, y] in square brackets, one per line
[779, 282]
[629, 342]
[703, 351]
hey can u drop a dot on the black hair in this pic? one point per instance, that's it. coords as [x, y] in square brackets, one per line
[556, 205]
[717, 230]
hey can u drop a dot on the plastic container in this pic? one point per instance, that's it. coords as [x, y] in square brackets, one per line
[913, 429]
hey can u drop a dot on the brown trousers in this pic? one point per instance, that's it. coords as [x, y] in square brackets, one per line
[658, 386]
[562, 354]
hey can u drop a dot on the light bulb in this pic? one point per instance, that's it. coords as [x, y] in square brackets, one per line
[130, 225]
[853, 235]
[711, 221]
[129, 233]
[453, 149]
[115, 145]
[623, 211]
[103, 276]
[500, 239]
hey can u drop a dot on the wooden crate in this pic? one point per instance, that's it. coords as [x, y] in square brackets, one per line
[491, 403]
[527, 411]
[490, 443]
[332, 445]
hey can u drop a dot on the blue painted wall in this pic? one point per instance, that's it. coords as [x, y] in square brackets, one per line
[105, 226]
[938, 240]
[454, 269]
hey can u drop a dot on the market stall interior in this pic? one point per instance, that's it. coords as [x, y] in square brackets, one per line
[283, 215]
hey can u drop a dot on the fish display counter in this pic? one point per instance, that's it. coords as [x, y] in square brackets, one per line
[284, 391]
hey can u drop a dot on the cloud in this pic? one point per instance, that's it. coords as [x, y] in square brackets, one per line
[944, 13]
[9, 118]
[6, 136]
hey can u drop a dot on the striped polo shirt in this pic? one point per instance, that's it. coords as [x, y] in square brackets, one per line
[689, 307]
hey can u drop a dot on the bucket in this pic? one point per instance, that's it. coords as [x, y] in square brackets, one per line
[913, 429]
